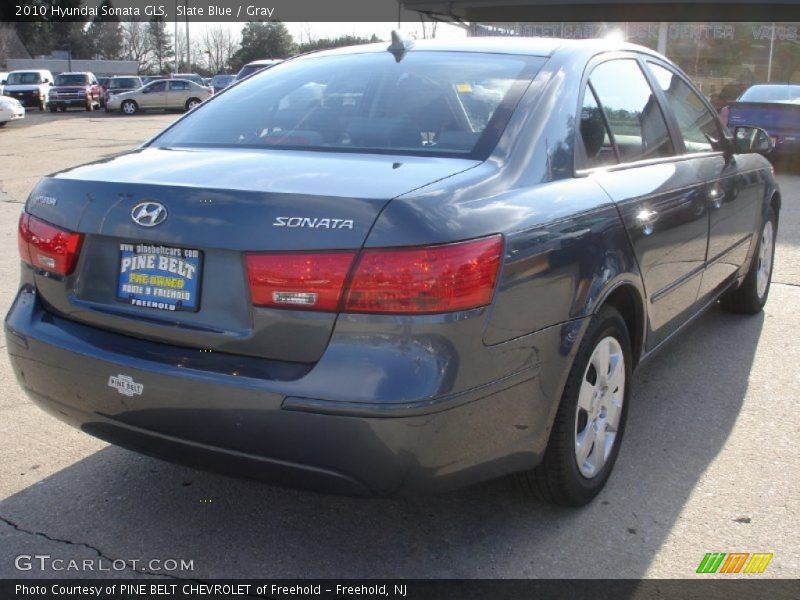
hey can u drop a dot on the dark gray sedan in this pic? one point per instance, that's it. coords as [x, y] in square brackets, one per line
[382, 269]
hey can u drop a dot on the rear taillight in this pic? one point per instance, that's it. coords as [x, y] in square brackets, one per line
[425, 280]
[432, 279]
[46, 246]
[302, 281]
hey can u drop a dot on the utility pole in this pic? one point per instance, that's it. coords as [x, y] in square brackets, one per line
[188, 56]
[771, 48]
[177, 58]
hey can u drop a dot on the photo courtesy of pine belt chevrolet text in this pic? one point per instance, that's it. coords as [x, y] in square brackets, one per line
[395, 268]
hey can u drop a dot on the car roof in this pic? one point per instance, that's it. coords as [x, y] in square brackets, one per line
[263, 61]
[531, 46]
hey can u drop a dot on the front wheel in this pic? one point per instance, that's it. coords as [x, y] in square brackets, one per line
[750, 297]
[191, 103]
[128, 107]
[590, 422]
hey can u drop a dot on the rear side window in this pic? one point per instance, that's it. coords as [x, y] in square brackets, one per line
[178, 86]
[158, 86]
[594, 133]
[698, 126]
[637, 124]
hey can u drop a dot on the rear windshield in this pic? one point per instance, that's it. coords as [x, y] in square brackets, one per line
[71, 79]
[125, 82]
[440, 103]
[772, 93]
[221, 79]
[193, 78]
[24, 79]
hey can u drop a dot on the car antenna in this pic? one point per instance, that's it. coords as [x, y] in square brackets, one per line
[399, 45]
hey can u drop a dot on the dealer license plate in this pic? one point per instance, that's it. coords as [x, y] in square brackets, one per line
[160, 277]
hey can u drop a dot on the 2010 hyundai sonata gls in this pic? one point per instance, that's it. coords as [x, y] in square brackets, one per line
[374, 270]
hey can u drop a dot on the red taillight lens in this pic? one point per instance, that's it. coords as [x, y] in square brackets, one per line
[425, 280]
[46, 246]
[310, 281]
[23, 235]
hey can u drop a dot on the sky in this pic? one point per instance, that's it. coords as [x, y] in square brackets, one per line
[316, 30]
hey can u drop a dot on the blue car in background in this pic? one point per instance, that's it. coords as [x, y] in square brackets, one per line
[774, 107]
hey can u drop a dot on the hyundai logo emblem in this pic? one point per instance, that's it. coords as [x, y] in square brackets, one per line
[149, 213]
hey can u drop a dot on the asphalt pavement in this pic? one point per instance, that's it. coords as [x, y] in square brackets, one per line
[709, 462]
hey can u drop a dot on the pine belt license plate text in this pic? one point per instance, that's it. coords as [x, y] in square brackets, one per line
[160, 277]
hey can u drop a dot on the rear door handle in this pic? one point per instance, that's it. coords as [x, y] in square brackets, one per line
[716, 194]
[645, 219]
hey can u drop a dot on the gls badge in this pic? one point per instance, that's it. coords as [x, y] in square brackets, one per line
[125, 385]
[149, 213]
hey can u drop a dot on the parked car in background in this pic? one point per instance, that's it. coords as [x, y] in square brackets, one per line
[774, 107]
[165, 94]
[255, 67]
[193, 77]
[120, 84]
[10, 110]
[442, 271]
[79, 89]
[151, 78]
[30, 86]
[221, 81]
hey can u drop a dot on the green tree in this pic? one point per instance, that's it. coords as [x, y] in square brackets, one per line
[106, 36]
[344, 40]
[260, 40]
[160, 43]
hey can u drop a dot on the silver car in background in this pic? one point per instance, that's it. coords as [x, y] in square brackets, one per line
[163, 94]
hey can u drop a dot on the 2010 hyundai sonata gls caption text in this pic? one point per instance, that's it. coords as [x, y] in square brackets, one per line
[381, 269]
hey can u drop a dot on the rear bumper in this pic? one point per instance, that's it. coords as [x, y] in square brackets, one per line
[269, 429]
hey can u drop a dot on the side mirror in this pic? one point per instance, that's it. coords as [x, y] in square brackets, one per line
[749, 140]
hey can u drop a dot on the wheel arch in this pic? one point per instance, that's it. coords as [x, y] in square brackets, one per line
[628, 300]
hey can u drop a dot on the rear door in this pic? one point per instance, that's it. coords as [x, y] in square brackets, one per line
[630, 151]
[177, 94]
[154, 95]
[733, 198]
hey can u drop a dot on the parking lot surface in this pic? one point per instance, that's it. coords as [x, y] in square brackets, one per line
[709, 463]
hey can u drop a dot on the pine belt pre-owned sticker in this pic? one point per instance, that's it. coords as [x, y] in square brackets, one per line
[160, 277]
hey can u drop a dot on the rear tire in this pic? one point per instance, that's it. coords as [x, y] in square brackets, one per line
[750, 297]
[191, 103]
[590, 422]
[128, 107]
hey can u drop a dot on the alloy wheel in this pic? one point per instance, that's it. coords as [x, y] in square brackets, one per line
[765, 253]
[599, 409]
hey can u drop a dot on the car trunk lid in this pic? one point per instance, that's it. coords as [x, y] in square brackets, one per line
[219, 204]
